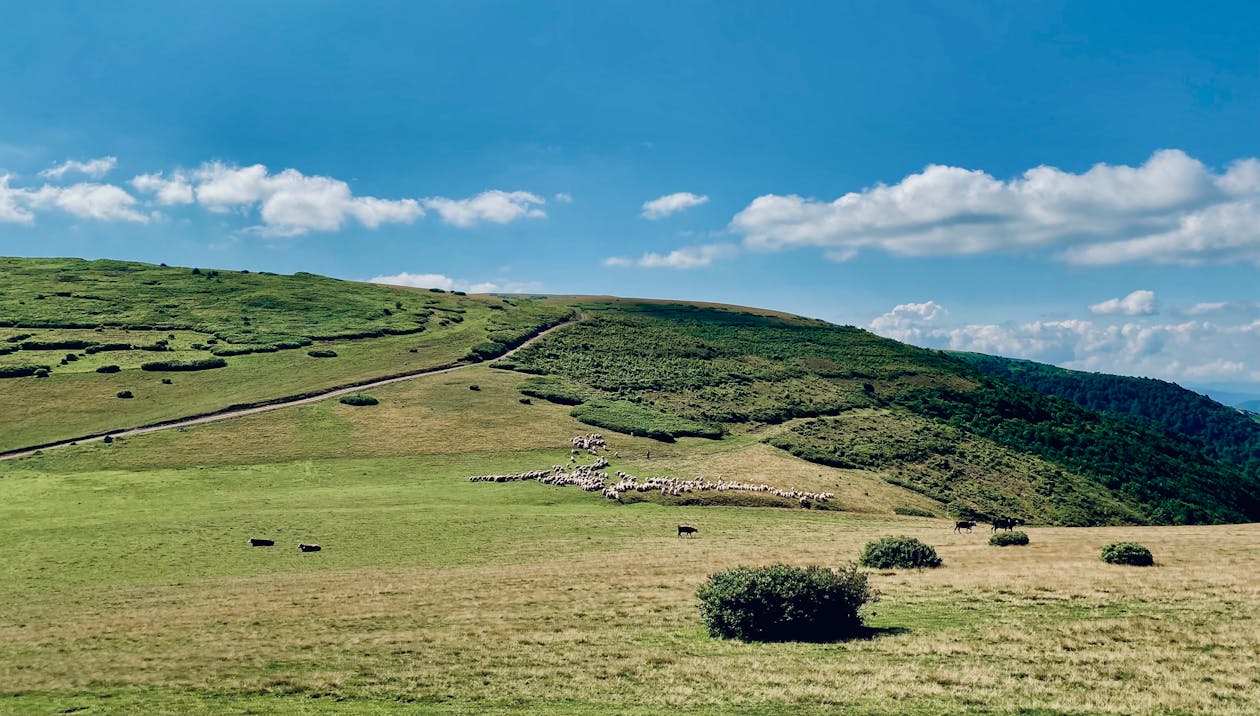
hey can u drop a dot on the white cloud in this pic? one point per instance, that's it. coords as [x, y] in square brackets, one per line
[685, 258]
[292, 203]
[168, 192]
[664, 206]
[1186, 351]
[446, 283]
[1171, 209]
[563, 198]
[1138, 303]
[101, 202]
[94, 168]
[495, 206]
[12, 201]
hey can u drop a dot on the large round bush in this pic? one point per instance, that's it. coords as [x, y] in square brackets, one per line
[1130, 553]
[359, 399]
[899, 552]
[1006, 539]
[785, 603]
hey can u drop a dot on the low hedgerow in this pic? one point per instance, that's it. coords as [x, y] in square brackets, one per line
[1130, 553]
[184, 365]
[1008, 539]
[321, 353]
[359, 399]
[899, 552]
[912, 512]
[108, 369]
[785, 603]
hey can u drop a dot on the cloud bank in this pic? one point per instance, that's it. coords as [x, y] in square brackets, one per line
[1171, 209]
[685, 258]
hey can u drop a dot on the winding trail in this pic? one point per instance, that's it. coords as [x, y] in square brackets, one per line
[273, 404]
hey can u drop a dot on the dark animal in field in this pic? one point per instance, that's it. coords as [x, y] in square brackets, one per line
[686, 530]
[964, 525]
[260, 542]
[309, 547]
[1006, 523]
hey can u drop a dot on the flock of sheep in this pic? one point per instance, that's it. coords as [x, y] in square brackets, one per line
[592, 478]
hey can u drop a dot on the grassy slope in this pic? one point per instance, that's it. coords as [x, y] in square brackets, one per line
[732, 370]
[75, 400]
[127, 585]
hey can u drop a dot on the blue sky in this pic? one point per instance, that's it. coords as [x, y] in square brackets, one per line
[1069, 182]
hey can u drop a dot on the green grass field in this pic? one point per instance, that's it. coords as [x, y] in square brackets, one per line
[127, 585]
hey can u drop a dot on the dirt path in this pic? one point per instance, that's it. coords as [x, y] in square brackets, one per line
[270, 405]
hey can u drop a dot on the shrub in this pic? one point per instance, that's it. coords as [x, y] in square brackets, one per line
[184, 365]
[21, 371]
[899, 552]
[320, 353]
[359, 399]
[1007, 539]
[474, 387]
[54, 345]
[785, 603]
[912, 512]
[526, 401]
[1130, 553]
[125, 394]
[108, 369]
[166, 381]
[71, 357]
[41, 373]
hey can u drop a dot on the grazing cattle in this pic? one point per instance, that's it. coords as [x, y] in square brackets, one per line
[964, 525]
[1006, 523]
[260, 542]
[686, 530]
[309, 547]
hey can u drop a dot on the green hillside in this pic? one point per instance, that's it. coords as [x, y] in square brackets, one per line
[64, 320]
[724, 369]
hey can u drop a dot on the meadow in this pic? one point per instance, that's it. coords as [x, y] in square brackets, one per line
[127, 584]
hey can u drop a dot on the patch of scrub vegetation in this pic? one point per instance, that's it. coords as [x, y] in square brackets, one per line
[359, 399]
[899, 552]
[1008, 539]
[642, 421]
[184, 365]
[552, 389]
[1128, 553]
[785, 603]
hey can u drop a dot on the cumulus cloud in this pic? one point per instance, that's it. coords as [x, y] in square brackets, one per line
[1171, 209]
[664, 206]
[94, 168]
[685, 258]
[446, 283]
[167, 192]
[12, 203]
[100, 202]
[494, 206]
[1183, 351]
[1138, 303]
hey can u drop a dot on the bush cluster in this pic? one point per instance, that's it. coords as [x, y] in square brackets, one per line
[184, 365]
[108, 369]
[21, 371]
[785, 603]
[359, 399]
[1006, 539]
[125, 394]
[899, 552]
[1130, 553]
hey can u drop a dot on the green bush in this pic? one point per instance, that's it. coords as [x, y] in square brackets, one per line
[184, 365]
[1007, 539]
[899, 552]
[474, 387]
[1130, 553]
[321, 353]
[359, 399]
[785, 603]
[555, 390]
[108, 369]
[525, 401]
[125, 394]
[912, 512]
[54, 345]
[21, 371]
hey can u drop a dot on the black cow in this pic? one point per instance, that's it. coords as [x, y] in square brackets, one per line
[686, 530]
[964, 525]
[260, 542]
[1006, 523]
[308, 547]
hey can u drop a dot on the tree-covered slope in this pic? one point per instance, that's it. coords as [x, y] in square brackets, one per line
[1224, 432]
[725, 368]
